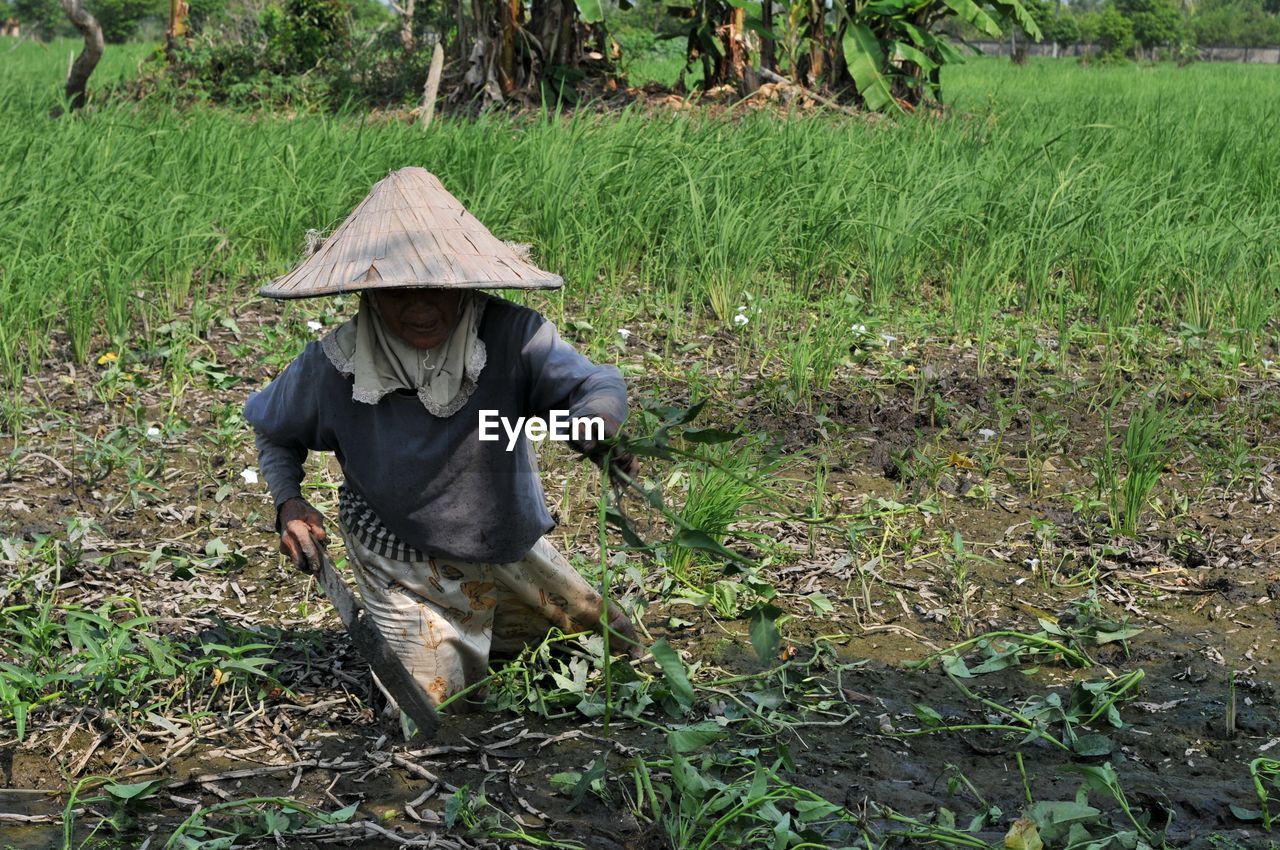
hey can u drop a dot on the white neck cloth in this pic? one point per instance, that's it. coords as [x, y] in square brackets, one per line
[380, 362]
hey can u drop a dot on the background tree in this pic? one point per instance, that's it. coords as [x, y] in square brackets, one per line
[1115, 33]
[82, 67]
[120, 18]
[43, 19]
[1058, 25]
[1089, 24]
[1236, 23]
[1155, 23]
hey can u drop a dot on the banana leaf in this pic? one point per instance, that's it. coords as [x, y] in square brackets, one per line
[1014, 9]
[913, 54]
[976, 15]
[591, 11]
[865, 59]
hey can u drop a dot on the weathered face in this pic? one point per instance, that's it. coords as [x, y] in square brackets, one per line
[422, 318]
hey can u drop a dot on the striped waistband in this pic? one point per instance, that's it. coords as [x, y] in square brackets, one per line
[359, 520]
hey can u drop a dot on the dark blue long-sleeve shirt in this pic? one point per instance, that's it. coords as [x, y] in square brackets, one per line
[434, 484]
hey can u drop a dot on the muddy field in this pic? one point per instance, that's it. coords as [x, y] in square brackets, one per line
[1140, 667]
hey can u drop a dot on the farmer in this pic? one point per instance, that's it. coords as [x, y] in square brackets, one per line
[443, 529]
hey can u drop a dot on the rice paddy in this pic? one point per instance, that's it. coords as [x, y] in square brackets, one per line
[1122, 198]
[973, 541]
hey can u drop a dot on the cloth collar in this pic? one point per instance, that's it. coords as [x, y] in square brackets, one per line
[443, 377]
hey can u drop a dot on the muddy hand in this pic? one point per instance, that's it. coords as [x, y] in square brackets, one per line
[620, 624]
[301, 533]
[596, 450]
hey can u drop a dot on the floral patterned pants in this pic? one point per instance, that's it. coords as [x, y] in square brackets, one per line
[442, 617]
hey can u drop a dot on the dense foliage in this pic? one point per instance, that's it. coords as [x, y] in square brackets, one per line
[1120, 27]
[883, 54]
[120, 19]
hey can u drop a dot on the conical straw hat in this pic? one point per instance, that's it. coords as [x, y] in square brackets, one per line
[410, 232]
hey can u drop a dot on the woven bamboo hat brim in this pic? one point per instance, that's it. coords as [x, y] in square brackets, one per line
[410, 232]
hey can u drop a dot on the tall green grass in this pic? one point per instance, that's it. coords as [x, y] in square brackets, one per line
[1120, 196]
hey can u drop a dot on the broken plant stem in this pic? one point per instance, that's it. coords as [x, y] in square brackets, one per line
[1078, 658]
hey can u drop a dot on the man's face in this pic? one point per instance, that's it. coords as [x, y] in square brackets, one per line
[421, 317]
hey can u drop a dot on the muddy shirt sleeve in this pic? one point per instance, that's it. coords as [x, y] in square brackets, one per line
[287, 424]
[559, 378]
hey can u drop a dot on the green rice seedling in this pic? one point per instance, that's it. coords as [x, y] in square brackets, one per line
[716, 495]
[1145, 452]
[1265, 773]
[818, 502]
[958, 561]
[731, 802]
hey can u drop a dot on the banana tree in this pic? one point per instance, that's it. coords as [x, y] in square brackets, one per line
[888, 54]
[510, 47]
[894, 54]
[717, 39]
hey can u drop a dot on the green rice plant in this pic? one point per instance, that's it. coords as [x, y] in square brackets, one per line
[107, 655]
[717, 494]
[1143, 454]
[1077, 196]
[818, 502]
[715, 801]
[1265, 773]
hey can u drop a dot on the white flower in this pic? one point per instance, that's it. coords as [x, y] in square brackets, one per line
[624, 333]
[742, 308]
[889, 339]
[858, 328]
[314, 325]
[250, 476]
[740, 320]
[153, 431]
[986, 434]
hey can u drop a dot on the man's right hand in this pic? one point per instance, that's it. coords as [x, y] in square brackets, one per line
[301, 533]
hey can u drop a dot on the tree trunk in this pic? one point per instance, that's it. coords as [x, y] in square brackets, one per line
[767, 47]
[82, 68]
[566, 52]
[432, 88]
[509, 24]
[551, 22]
[406, 25]
[736, 64]
[177, 30]
[817, 40]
